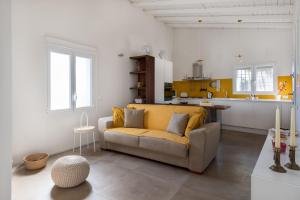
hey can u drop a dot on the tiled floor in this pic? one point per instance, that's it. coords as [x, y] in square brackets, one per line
[116, 176]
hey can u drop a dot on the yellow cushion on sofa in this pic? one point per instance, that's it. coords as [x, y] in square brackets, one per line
[118, 117]
[157, 117]
[166, 136]
[129, 131]
[194, 122]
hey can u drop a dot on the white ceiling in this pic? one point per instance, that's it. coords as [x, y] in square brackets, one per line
[220, 13]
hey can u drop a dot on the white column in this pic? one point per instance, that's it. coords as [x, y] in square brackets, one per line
[5, 105]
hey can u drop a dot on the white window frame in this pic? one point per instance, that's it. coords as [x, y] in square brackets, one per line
[235, 79]
[274, 80]
[253, 68]
[74, 50]
[85, 55]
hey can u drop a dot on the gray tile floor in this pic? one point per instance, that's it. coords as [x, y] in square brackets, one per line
[116, 176]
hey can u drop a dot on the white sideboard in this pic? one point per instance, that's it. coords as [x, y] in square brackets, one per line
[266, 184]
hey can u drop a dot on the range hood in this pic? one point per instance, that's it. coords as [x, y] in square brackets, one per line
[197, 72]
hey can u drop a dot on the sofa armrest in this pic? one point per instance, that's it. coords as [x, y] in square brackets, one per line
[203, 146]
[103, 124]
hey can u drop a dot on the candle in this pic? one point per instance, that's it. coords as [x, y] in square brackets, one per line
[277, 129]
[293, 128]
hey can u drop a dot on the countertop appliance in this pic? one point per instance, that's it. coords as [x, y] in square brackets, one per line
[184, 95]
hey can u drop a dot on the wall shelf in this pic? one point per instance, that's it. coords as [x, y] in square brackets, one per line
[136, 72]
[145, 77]
[136, 88]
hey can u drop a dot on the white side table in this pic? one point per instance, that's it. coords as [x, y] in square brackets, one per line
[84, 130]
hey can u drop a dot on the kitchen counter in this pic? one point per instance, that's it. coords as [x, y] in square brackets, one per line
[254, 116]
[212, 110]
[234, 99]
[212, 107]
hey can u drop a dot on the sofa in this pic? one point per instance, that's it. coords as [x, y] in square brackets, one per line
[153, 142]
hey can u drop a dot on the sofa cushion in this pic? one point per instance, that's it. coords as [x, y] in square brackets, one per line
[124, 136]
[134, 118]
[118, 117]
[163, 135]
[157, 117]
[129, 131]
[194, 122]
[177, 124]
[163, 146]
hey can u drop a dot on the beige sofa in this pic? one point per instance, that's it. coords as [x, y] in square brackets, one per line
[152, 142]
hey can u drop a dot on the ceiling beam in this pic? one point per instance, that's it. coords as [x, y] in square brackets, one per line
[236, 26]
[181, 4]
[232, 11]
[229, 19]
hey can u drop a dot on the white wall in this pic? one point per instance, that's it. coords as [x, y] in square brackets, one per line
[5, 100]
[112, 27]
[219, 48]
[297, 66]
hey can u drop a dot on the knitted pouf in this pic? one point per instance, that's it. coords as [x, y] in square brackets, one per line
[70, 171]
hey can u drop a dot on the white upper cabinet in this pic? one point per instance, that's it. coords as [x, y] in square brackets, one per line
[163, 74]
[159, 80]
[168, 71]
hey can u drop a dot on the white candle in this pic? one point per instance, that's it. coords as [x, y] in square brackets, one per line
[293, 128]
[277, 127]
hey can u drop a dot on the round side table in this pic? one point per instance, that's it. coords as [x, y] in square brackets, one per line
[84, 130]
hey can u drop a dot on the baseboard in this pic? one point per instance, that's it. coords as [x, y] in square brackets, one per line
[19, 162]
[245, 129]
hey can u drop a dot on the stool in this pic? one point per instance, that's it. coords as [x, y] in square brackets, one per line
[84, 130]
[70, 171]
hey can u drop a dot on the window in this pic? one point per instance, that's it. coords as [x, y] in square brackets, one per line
[254, 79]
[60, 86]
[264, 79]
[70, 78]
[83, 82]
[243, 80]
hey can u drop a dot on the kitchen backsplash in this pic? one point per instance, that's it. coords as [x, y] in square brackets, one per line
[200, 88]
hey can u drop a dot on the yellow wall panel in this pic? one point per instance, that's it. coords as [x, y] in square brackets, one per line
[200, 88]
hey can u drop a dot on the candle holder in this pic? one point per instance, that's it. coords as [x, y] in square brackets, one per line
[276, 167]
[292, 164]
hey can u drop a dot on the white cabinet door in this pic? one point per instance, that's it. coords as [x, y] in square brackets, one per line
[238, 115]
[256, 115]
[159, 80]
[263, 115]
[163, 74]
[168, 71]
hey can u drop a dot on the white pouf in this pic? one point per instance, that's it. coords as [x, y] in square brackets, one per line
[70, 171]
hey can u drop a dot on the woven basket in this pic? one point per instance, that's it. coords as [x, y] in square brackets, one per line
[36, 161]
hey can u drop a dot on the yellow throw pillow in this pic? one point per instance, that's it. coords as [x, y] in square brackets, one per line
[195, 121]
[118, 117]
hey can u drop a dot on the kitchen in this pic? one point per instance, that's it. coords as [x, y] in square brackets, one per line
[242, 77]
[245, 113]
[249, 71]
